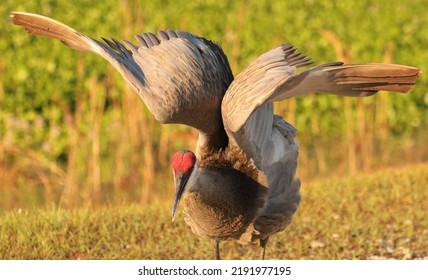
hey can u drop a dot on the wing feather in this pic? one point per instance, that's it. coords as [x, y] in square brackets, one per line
[180, 77]
[247, 112]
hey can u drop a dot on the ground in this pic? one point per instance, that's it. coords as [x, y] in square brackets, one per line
[382, 215]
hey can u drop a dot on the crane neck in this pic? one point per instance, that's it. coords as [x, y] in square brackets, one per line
[211, 143]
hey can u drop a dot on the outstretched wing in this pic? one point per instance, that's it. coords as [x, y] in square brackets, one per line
[250, 123]
[180, 77]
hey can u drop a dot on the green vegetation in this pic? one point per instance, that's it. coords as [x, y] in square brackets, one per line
[72, 133]
[377, 216]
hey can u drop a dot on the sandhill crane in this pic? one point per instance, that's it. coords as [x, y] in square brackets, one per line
[240, 183]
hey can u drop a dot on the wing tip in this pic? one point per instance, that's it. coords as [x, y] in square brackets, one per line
[17, 13]
[14, 15]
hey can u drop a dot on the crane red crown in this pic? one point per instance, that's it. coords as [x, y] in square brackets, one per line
[183, 161]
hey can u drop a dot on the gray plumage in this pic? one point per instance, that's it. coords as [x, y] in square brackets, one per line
[242, 185]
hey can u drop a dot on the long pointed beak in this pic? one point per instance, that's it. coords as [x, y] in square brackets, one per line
[180, 182]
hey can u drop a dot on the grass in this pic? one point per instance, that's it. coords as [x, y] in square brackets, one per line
[382, 215]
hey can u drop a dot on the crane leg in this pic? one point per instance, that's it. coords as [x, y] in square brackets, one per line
[216, 249]
[263, 243]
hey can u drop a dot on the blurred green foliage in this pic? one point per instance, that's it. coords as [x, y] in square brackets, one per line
[36, 69]
[42, 81]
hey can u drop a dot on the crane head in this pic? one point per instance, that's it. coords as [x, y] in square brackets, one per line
[183, 165]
